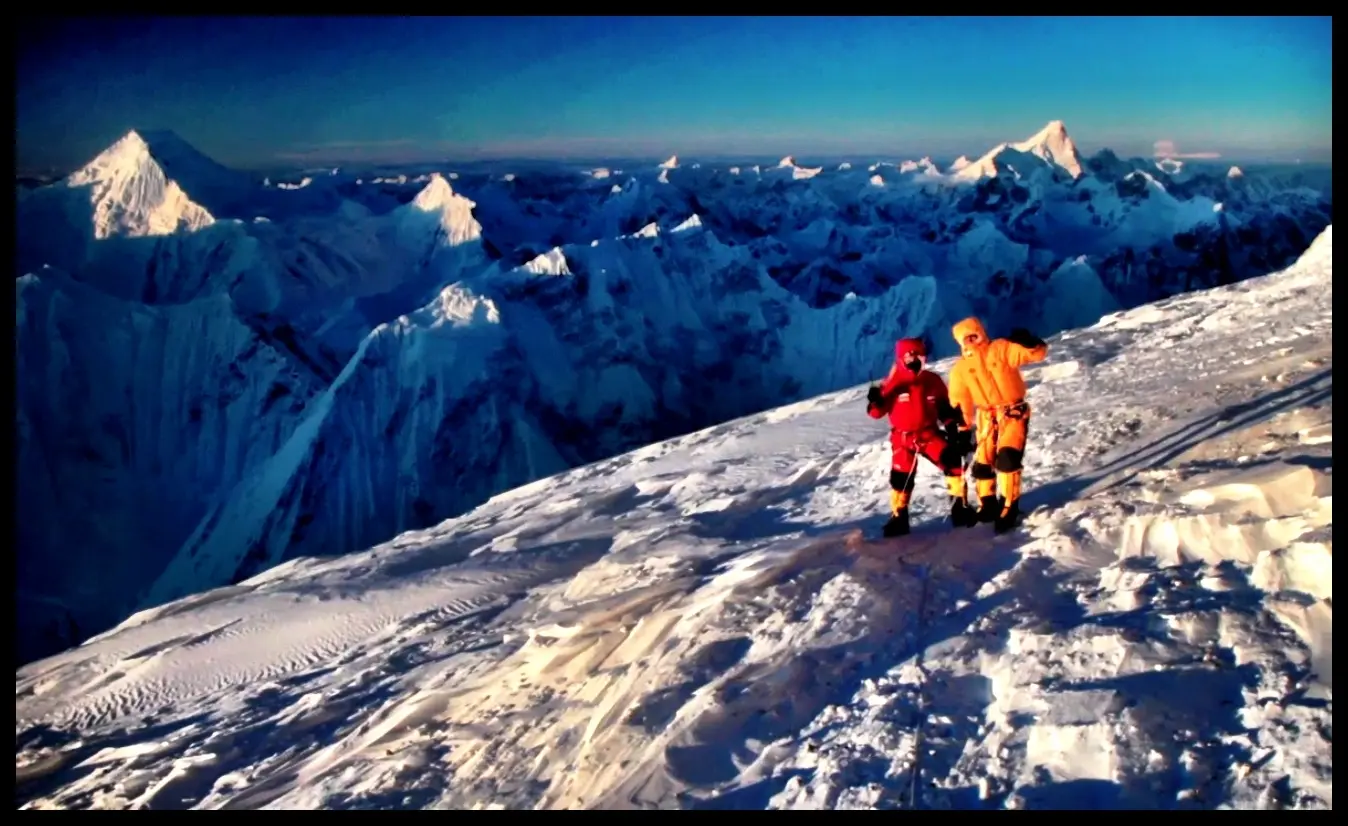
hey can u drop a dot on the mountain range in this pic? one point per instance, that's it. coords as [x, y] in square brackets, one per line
[218, 373]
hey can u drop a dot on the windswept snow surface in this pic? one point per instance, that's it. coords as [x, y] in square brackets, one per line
[687, 625]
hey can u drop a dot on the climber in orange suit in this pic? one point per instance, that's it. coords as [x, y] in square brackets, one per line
[987, 379]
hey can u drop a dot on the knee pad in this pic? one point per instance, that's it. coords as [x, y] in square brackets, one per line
[982, 471]
[898, 479]
[1009, 459]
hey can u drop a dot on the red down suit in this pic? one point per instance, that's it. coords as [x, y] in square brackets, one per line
[918, 406]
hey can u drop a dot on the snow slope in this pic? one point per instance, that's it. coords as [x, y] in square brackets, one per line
[687, 625]
[616, 311]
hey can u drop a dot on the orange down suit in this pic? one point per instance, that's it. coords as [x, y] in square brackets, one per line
[986, 385]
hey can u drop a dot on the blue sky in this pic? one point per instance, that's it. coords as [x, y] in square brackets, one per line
[258, 92]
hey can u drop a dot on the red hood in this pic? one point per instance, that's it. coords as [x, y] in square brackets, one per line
[905, 348]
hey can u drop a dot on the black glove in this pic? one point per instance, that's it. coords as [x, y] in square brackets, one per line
[960, 441]
[874, 398]
[1025, 338]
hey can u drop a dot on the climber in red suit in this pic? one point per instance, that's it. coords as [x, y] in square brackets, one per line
[918, 406]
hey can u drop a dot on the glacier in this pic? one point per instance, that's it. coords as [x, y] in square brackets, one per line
[218, 373]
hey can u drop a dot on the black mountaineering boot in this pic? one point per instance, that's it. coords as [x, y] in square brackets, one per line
[1008, 518]
[897, 524]
[991, 507]
[961, 515]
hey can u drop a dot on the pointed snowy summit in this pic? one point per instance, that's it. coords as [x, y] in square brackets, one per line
[1054, 145]
[1051, 145]
[672, 163]
[453, 211]
[133, 196]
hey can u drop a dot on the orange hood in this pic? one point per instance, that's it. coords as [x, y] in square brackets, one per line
[970, 326]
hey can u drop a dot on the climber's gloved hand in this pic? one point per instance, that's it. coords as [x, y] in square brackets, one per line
[1025, 338]
[961, 440]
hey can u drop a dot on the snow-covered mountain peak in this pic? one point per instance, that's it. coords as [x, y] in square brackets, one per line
[984, 167]
[798, 172]
[924, 166]
[1235, 172]
[1145, 178]
[960, 162]
[552, 262]
[132, 195]
[456, 306]
[1053, 144]
[436, 194]
[692, 222]
[126, 152]
[454, 210]
[671, 163]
